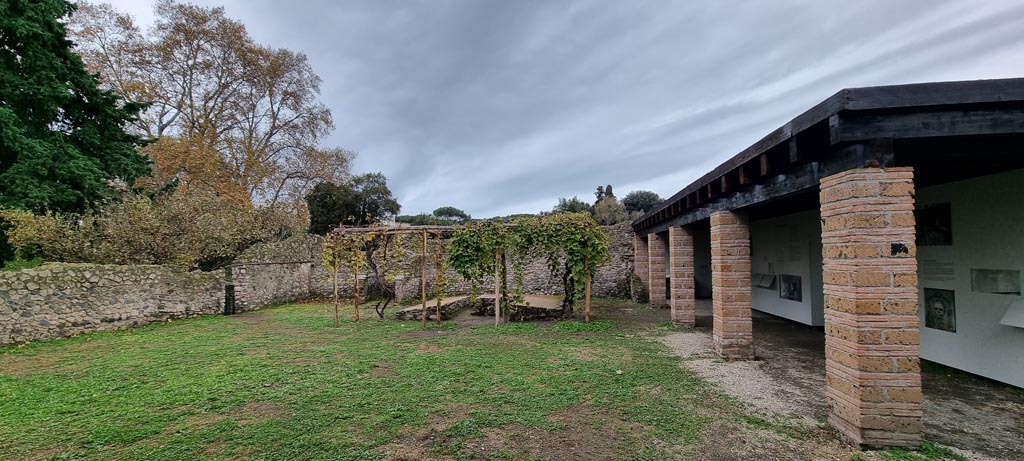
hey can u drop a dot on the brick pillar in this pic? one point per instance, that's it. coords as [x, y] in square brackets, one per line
[641, 266]
[872, 337]
[656, 267]
[730, 285]
[680, 244]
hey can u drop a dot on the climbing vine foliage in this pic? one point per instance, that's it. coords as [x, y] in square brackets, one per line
[344, 251]
[573, 244]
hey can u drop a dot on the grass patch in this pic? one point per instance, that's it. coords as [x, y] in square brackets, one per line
[575, 326]
[284, 384]
[18, 264]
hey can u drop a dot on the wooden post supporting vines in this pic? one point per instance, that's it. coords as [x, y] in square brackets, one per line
[586, 302]
[335, 277]
[497, 287]
[423, 282]
[355, 275]
[437, 282]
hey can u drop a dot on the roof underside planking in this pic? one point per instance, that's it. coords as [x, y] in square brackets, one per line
[853, 128]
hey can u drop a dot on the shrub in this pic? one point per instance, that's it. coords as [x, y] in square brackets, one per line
[192, 229]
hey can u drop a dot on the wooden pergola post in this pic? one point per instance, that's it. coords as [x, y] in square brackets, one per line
[355, 274]
[336, 270]
[497, 287]
[423, 282]
[437, 283]
[586, 302]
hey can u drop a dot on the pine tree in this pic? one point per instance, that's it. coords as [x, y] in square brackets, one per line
[62, 137]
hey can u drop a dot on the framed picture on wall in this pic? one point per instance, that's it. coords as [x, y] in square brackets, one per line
[940, 309]
[790, 288]
[934, 225]
[996, 281]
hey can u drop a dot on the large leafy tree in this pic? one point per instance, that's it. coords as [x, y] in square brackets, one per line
[62, 138]
[609, 211]
[364, 200]
[641, 201]
[232, 115]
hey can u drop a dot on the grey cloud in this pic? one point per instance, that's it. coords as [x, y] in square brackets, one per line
[501, 106]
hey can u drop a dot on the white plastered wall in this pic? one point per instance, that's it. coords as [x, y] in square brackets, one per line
[789, 245]
[988, 233]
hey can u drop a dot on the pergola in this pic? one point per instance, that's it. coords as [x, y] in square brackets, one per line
[439, 232]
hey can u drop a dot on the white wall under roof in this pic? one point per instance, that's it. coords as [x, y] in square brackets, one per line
[988, 233]
[789, 245]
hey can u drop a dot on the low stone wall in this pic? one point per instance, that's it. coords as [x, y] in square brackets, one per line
[58, 300]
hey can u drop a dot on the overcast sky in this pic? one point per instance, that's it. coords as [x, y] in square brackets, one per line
[502, 106]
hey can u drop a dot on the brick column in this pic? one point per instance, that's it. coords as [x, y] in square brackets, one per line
[680, 244]
[641, 266]
[872, 337]
[730, 285]
[656, 267]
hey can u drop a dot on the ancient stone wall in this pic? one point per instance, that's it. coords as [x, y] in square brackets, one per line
[59, 300]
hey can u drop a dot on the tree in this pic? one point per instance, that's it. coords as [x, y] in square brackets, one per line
[192, 229]
[232, 115]
[364, 200]
[329, 205]
[609, 211]
[421, 219]
[608, 191]
[451, 214]
[62, 137]
[573, 205]
[376, 204]
[641, 201]
[599, 194]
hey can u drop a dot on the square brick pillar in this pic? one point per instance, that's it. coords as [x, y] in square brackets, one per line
[656, 267]
[641, 266]
[680, 261]
[730, 285]
[872, 336]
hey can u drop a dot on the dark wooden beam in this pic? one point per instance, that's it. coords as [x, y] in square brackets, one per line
[744, 174]
[802, 178]
[854, 126]
[726, 184]
[857, 104]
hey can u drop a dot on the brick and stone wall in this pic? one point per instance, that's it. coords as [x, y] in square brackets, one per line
[872, 336]
[58, 300]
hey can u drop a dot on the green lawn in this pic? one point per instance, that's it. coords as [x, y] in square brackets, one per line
[284, 384]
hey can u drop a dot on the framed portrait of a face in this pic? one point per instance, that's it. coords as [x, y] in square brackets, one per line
[940, 309]
[790, 288]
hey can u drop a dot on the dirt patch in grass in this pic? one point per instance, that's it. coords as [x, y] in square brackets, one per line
[258, 411]
[426, 348]
[581, 432]
[382, 371]
[71, 358]
[740, 442]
